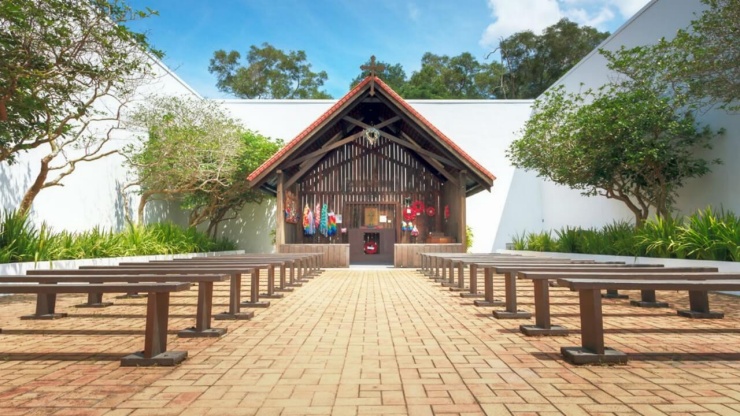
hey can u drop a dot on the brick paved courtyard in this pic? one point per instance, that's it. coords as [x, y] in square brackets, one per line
[369, 342]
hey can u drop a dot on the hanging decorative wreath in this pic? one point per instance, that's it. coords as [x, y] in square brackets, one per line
[371, 247]
[418, 207]
[447, 211]
[408, 214]
[431, 211]
[372, 135]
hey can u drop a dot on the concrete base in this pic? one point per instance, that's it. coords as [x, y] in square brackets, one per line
[273, 296]
[131, 296]
[512, 315]
[259, 304]
[580, 355]
[94, 305]
[483, 303]
[643, 304]
[291, 285]
[471, 295]
[207, 333]
[700, 315]
[459, 289]
[287, 289]
[48, 316]
[241, 316]
[165, 359]
[446, 283]
[533, 330]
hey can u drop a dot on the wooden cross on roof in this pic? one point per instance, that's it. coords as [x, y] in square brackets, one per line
[373, 68]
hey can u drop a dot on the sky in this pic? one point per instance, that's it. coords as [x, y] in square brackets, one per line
[340, 35]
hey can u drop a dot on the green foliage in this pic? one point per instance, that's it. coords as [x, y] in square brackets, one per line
[393, 75]
[698, 66]
[59, 60]
[468, 238]
[457, 77]
[534, 62]
[20, 241]
[704, 235]
[626, 144]
[269, 73]
[193, 153]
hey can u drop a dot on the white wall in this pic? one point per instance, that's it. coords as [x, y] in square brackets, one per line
[562, 206]
[90, 196]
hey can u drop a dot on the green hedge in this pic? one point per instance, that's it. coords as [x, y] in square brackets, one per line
[21, 241]
[704, 235]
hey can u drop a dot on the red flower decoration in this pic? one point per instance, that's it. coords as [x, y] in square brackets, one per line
[447, 211]
[431, 211]
[418, 207]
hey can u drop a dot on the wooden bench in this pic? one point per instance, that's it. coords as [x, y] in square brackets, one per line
[235, 285]
[541, 277]
[157, 314]
[509, 269]
[592, 349]
[45, 304]
[430, 266]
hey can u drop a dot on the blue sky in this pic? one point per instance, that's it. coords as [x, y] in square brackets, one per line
[340, 35]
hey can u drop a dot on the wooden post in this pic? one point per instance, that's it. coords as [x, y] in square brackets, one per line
[461, 215]
[280, 215]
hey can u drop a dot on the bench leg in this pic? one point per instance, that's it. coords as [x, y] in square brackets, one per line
[648, 300]
[543, 324]
[203, 315]
[511, 311]
[235, 296]
[270, 294]
[487, 290]
[283, 279]
[613, 294]
[254, 292]
[473, 284]
[592, 349]
[45, 307]
[94, 300]
[155, 336]
[699, 304]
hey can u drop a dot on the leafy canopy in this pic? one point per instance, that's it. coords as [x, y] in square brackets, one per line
[534, 62]
[269, 73]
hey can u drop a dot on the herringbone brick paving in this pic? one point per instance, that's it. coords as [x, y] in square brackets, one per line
[370, 342]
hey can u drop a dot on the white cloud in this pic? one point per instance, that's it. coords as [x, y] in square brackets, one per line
[516, 16]
[511, 16]
[627, 8]
[413, 11]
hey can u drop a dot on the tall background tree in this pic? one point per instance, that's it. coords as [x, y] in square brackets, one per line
[67, 68]
[269, 73]
[192, 153]
[534, 62]
[636, 139]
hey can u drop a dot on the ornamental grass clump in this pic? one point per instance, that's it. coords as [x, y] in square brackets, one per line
[20, 241]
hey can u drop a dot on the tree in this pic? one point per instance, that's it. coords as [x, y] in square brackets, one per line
[459, 77]
[393, 75]
[66, 70]
[191, 152]
[698, 66]
[628, 144]
[534, 62]
[269, 73]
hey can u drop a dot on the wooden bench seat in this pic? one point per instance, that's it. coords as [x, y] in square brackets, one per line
[157, 314]
[541, 277]
[592, 349]
[45, 303]
[235, 285]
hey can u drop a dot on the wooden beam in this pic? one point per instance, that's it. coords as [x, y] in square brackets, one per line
[437, 165]
[384, 123]
[323, 150]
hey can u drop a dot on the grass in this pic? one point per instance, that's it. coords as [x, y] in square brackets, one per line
[21, 241]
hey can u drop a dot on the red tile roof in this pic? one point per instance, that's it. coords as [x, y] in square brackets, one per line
[351, 95]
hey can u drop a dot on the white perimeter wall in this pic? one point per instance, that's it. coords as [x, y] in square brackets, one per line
[562, 206]
[90, 196]
[483, 128]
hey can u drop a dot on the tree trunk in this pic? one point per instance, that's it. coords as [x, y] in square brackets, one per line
[142, 204]
[37, 186]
